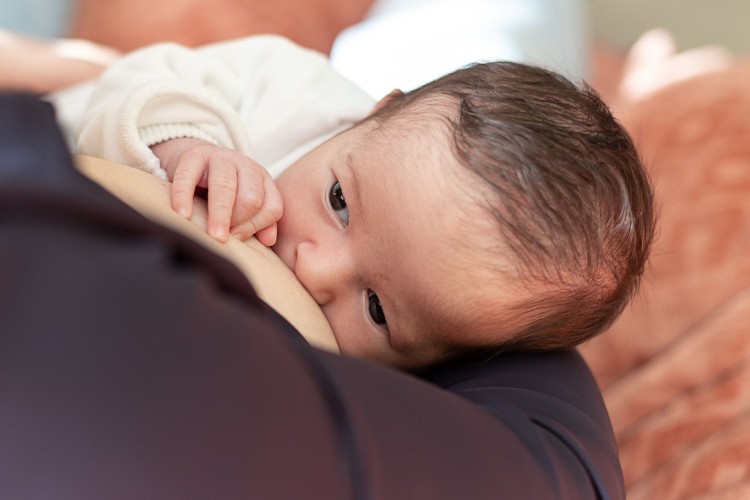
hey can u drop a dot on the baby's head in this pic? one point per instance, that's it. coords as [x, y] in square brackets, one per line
[499, 207]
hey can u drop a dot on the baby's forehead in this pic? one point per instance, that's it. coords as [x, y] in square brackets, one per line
[456, 284]
[428, 246]
[413, 139]
[433, 112]
[458, 310]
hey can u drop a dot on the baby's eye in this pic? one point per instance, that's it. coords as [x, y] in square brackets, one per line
[338, 202]
[375, 309]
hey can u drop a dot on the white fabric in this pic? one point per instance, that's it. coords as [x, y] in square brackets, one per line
[262, 95]
[406, 43]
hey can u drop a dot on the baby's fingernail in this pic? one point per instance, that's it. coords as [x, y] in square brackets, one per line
[219, 233]
[183, 211]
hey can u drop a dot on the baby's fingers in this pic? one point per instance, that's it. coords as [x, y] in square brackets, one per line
[250, 192]
[187, 177]
[267, 235]
[222, 190]
[263, 223]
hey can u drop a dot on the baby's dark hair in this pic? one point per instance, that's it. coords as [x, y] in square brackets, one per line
[573, 201]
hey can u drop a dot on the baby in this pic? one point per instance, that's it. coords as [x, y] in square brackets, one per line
[499, 207]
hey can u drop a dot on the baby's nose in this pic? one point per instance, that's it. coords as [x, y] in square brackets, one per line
[323, 273]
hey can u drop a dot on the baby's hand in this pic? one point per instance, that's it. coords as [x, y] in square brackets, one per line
[242, 196]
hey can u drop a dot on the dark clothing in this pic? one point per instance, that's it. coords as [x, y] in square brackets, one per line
[134, 363]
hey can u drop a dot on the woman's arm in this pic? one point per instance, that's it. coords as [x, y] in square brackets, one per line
[40, 66]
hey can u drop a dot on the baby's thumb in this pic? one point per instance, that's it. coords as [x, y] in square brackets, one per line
[267, 235]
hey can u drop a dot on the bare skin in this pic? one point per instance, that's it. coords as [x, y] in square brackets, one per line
[272, 280]
[364, 227]
[242, 196]
[39, 66]
[130, 24]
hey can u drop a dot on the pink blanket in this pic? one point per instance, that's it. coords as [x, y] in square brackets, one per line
[675, 369]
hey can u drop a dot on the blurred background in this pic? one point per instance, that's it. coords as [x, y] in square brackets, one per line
[692, 22]
[387, 44]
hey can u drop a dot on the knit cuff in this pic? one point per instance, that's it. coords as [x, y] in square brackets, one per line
[154, 134]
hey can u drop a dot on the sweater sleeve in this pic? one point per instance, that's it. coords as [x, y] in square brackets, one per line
[261, 95]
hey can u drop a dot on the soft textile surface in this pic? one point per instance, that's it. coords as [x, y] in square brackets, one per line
[675, 368]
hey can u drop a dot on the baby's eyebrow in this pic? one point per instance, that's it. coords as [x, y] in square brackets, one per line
[355, 187]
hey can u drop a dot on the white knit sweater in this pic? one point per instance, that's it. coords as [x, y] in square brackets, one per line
[263, 96]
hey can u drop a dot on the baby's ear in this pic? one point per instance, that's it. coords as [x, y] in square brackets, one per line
[387, 99]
